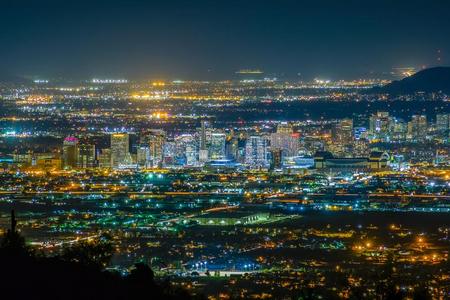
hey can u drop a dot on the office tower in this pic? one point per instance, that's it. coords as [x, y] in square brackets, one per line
[70, 152]
[169, 153]
[104, 158]
[120, 149]
[203, 136]
[286, 140]
[203, 155]
[256, 152]
[86, 156]
[186, 150]
[143, 156]
[343, 131]
[379, 125]
[241, 143]
[191, 155]
[417, 127]
[443, 123]
[342, 139]
[217, 146]
[276, 157]
[203, 151]
[155, 140]
[231, 147]
[398, 130]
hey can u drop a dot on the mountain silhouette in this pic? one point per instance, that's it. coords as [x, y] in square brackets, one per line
[430, 80]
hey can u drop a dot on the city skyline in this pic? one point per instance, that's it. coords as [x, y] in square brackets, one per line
[224, 150]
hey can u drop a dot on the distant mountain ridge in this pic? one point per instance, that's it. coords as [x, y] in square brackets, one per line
[429, 80]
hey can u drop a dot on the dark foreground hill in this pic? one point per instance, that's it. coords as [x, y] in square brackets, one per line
[76, 272]
[429, 81]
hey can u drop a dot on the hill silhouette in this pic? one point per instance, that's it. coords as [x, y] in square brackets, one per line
[430, 80]
[77, 272]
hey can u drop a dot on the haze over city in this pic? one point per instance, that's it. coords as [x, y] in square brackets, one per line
[212, 39]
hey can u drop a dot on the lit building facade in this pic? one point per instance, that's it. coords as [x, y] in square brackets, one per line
[120, 149]
[256, 154]
[70, 152]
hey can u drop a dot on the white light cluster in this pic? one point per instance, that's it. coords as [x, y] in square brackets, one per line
[96, 80]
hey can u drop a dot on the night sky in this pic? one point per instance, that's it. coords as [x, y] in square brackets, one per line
[181, 39]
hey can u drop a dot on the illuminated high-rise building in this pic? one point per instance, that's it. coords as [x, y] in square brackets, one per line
[417, 127]
[120, 149]
[203, 153]
[186, 150]
[399, 129]
[241, 144]
[232, 147]
[443, 124]
[380, 125]
[342, 139]
[203, 135]
[70, 152]
[256, 154]
[169, 153]
[343, 131]
[156, 140]
[191, 155]
[86, 156]
[211, 143]
[104, 158]
[143, 156]
[217, 146]
[286, 140]
[275, 158]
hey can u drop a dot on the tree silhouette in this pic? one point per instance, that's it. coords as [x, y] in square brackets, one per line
[12, 242]
[78, 272]
[96, 253]
[141, 274]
